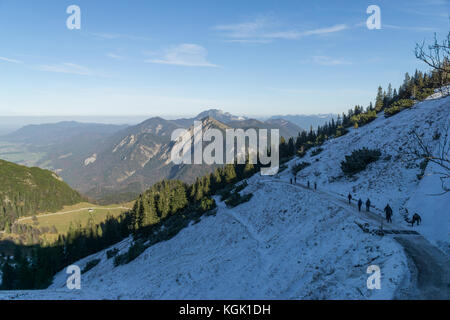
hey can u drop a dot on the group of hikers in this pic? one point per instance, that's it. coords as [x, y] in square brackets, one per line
[360, 203]
[387, 210]
[308, 184]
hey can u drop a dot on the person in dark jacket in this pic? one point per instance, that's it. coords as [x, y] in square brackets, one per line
[308, 184]
[388, 211]
[368, 205]
[291, 180]
[416, 218]
[295, 179]
[349, 198]
[315, 185]
[359, 204]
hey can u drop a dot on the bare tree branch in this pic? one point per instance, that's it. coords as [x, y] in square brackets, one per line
[438, 156]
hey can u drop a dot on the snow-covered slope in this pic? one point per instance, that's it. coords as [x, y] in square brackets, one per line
[286, 243]
[289, 242]
[393, 179]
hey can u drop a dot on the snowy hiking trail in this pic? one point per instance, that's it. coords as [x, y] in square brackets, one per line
[429, 266]
[250, 230]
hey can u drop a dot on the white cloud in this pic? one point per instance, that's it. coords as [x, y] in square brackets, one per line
[114, 56]
[262, 31]
[70, 68]
[187, 54]
[112, 36]
[10, 60]
[329, 61]
[245, 29]
[391, 26]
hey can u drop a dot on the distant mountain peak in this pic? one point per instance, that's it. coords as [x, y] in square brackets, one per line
[219, 115]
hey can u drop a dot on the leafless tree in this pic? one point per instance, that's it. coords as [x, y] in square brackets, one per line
[438, 156]
[437, 56]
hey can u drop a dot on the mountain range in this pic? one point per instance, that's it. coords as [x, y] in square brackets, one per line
[111, 163]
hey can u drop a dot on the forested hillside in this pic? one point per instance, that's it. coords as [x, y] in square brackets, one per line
[27, 191]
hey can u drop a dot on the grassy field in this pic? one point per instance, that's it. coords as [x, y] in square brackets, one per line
[19, 153]
[78, 214]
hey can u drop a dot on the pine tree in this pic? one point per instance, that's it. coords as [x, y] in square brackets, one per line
[230, 173]
[8, 276]
[291, 147]
[379, 100]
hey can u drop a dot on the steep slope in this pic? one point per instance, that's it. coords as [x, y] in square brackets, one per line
[28, 191]
[393, 179]
[291, 242]
[286, 243]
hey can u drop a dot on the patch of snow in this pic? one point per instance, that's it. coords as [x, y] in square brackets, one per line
[90, 160]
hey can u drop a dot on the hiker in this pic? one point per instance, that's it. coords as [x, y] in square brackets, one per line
[308, 184]
[368, 205]
[295, 179]
[416, 218]
[359, 204]
[349, 198]
[291, 180]
[388, 211]
[315, 185]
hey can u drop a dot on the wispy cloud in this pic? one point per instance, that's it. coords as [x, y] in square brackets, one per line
[187, 54]
[329, 61]
[263, 30]
[10, 60]
[391, 26]
[114, 56]
[70, 68]
[112, 36]
[245, 29]
[299, 34]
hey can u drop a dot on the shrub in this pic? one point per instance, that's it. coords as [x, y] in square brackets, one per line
[236, 199]
[134, 251]
[90, 264]
[112, 253]
[358, 160]
[241, 187]
[424, 93]
[120, 259]
[301, 153]
[341, 131]
[316, 151]
[207, 204]
[436, 135]
[423, 166]
[300, 166]
[363, 118]
[398, 106]
[225, 193]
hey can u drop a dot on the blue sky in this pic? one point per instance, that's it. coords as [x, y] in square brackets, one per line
[181, 57]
